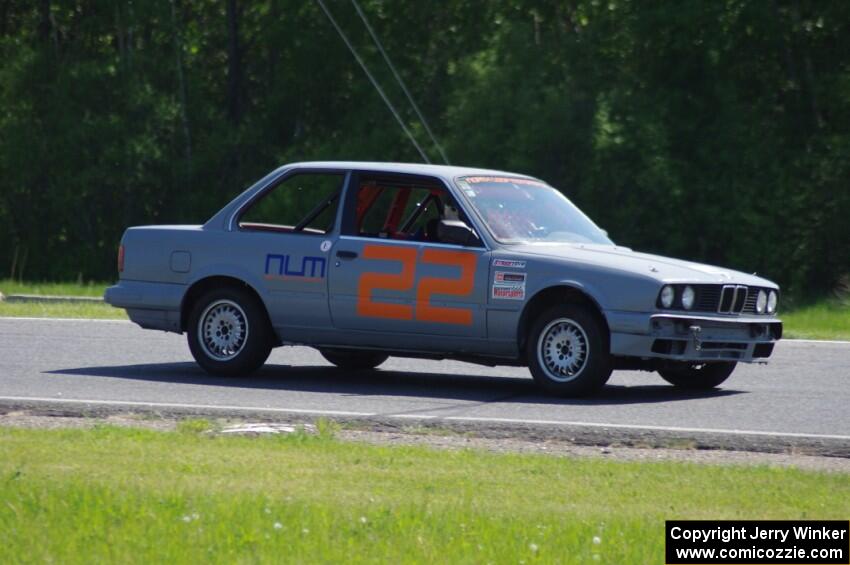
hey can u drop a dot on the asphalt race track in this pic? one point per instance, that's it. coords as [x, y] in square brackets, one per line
[801, 398]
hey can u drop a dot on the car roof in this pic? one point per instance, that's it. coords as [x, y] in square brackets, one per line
[446, 172]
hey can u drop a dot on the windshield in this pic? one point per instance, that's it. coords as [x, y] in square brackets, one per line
[518, 210]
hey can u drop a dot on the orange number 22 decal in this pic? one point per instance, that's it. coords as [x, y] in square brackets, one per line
[402, 281]
[459, 287]
[428, 286]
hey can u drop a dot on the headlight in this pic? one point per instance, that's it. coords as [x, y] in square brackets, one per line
[761, 302]
[688, 296]
[772, 300]
[667, 296]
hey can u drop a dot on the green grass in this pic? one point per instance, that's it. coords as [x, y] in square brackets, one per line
[8, 286]
[53, 309]
[137, 496]
[828, 319]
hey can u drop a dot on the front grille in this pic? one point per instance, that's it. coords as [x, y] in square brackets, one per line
[708, 297]
[750, 304]
[732, 299]
[740, 299]
[725, 299]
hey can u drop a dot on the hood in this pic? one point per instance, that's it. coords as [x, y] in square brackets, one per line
[664, 269]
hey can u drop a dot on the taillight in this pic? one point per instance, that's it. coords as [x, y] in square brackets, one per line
[120, 258]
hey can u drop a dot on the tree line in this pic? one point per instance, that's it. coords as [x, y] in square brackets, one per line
[717, 131]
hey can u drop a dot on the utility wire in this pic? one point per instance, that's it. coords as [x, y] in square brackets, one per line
[400, 82]
[373, 81]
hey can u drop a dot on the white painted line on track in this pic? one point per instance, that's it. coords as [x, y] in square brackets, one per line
[638, 427]
[182, 405]
[319, 412]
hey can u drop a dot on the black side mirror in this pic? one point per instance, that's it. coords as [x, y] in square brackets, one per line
[457, 232]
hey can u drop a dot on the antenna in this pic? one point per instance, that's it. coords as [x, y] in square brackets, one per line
[373, 81]
[400, 82]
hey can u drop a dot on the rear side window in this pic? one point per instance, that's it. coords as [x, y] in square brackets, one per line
[302, 203]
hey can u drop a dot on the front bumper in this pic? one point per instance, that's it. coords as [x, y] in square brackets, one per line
[152, 305]
[682, 337]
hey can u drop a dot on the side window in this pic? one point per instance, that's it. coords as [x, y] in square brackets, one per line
[423, 211]
[402, 208]
[401, 212]
[379, 200]
[304, 203]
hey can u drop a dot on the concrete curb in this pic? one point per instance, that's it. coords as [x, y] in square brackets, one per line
[55, 299]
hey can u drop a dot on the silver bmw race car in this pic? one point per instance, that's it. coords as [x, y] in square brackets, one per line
[367, 260]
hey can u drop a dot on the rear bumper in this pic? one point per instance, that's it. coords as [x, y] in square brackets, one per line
[152, 305]
[680, 337]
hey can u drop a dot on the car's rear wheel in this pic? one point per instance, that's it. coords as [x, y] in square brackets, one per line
[354, 360]
[698, 375]
[229, 332]
[567, 351]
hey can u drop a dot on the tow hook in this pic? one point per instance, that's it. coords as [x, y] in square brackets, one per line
[695, 331]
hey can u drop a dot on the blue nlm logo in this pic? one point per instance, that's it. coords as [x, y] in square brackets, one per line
[311, 268]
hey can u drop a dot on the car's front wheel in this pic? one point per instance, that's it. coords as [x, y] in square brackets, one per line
[229, 333]
[567, 351]
[353, 360]
[698, 375]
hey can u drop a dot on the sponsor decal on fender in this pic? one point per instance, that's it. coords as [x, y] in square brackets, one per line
[509, 292]
[503, 277]
[509, 285]
[310, 269]
[511, 263]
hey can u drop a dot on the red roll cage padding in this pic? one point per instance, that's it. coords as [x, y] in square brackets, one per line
[366, 196]
[369, 193]
[396, 210]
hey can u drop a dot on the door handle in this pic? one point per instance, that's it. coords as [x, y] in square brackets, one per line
[342, 254]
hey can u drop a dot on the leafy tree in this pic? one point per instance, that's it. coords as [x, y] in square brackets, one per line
[716, 131]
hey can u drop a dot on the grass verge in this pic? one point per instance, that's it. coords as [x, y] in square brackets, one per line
[138, 496]
[9, 286]
[827, 319]
[57, 309]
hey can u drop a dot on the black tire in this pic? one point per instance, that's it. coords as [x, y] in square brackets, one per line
[354, 360]
[698, 376]
[229, 311]
[556, 341]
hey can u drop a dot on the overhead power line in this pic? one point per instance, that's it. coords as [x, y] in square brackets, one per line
[373, 81]
[400, 82]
